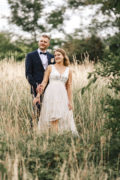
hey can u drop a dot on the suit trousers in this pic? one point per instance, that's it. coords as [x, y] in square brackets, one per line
[36, 108]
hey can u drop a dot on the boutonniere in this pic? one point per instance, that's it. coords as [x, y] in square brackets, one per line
[52, 60]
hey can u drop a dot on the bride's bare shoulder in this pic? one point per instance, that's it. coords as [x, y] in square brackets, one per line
[49, 68]
[70, 70]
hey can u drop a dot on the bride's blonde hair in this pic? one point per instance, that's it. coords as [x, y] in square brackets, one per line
[66, 60]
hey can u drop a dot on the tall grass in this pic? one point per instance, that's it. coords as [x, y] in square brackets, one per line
[26, 155]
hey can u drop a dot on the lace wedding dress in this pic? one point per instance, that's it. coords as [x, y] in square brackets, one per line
[55, 103]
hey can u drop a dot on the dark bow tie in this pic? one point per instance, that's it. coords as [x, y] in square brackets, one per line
[43, 53]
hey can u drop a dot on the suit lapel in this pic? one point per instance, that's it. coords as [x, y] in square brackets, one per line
[38, 57]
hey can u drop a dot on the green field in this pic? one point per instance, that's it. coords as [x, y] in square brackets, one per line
[26, 155]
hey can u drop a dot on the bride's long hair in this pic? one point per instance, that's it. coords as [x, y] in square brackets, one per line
[66, 61]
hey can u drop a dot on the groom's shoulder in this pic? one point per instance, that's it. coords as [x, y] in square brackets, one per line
[32, 53]
[49, 54]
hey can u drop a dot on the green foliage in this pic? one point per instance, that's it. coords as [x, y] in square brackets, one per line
[107, 7]
[56, 18]
[26, 14]
[29, 155]
[55, 43]
[50, 160]
[112, 125]
[47, 163]
[23, 47]
[3, 150]
[20, 47]
[110, 68]
[114, 44]
[17, 49]
[74, 47]
[92, 47]
[6, 46]
[110, 5]
[75, 3]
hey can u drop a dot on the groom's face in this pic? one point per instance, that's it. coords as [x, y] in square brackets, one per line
[44, 43]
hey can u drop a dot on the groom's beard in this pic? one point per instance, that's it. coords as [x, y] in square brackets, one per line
[43, 49]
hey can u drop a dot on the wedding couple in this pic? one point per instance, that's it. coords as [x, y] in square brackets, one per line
[51, 83]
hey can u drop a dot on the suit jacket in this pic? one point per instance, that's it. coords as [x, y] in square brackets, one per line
[34, 69]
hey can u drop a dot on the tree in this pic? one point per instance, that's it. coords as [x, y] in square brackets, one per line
[32, 17]
[56, 19]
[26, 14]
[17, 49]
[92, 46]
[6, 46]
[107, 7]
[110, 68]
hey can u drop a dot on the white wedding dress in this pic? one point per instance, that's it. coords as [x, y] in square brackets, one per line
[55, 104]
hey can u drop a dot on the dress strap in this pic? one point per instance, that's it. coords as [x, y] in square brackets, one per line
[52, 67]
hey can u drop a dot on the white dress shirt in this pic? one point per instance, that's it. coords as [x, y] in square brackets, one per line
[43, 58]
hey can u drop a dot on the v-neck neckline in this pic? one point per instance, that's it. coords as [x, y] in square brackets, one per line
[59, 72]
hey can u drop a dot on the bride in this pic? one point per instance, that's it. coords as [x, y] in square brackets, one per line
[56, 113]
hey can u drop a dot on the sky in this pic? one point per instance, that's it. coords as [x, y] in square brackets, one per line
[70, 25]
[4, 11]
[82, 18]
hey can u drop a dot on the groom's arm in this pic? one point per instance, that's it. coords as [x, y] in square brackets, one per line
[28, 71]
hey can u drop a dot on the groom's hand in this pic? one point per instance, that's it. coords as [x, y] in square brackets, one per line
[36, 90]
[36, 100]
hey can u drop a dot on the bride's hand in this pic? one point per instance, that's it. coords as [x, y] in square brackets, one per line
[40, 88]
[70, 106]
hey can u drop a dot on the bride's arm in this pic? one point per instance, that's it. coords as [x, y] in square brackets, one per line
[45, 79]
[69, 89]
[42, 86]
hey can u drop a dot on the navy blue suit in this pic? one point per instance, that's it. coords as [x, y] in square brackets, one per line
[34, 69]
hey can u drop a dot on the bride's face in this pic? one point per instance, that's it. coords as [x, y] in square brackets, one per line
[58, 57]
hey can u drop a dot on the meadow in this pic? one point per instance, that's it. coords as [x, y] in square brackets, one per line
[26, 155]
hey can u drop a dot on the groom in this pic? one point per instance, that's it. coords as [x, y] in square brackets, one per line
[36, 64]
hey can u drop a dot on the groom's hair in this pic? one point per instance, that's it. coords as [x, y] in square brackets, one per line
[46, 36]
